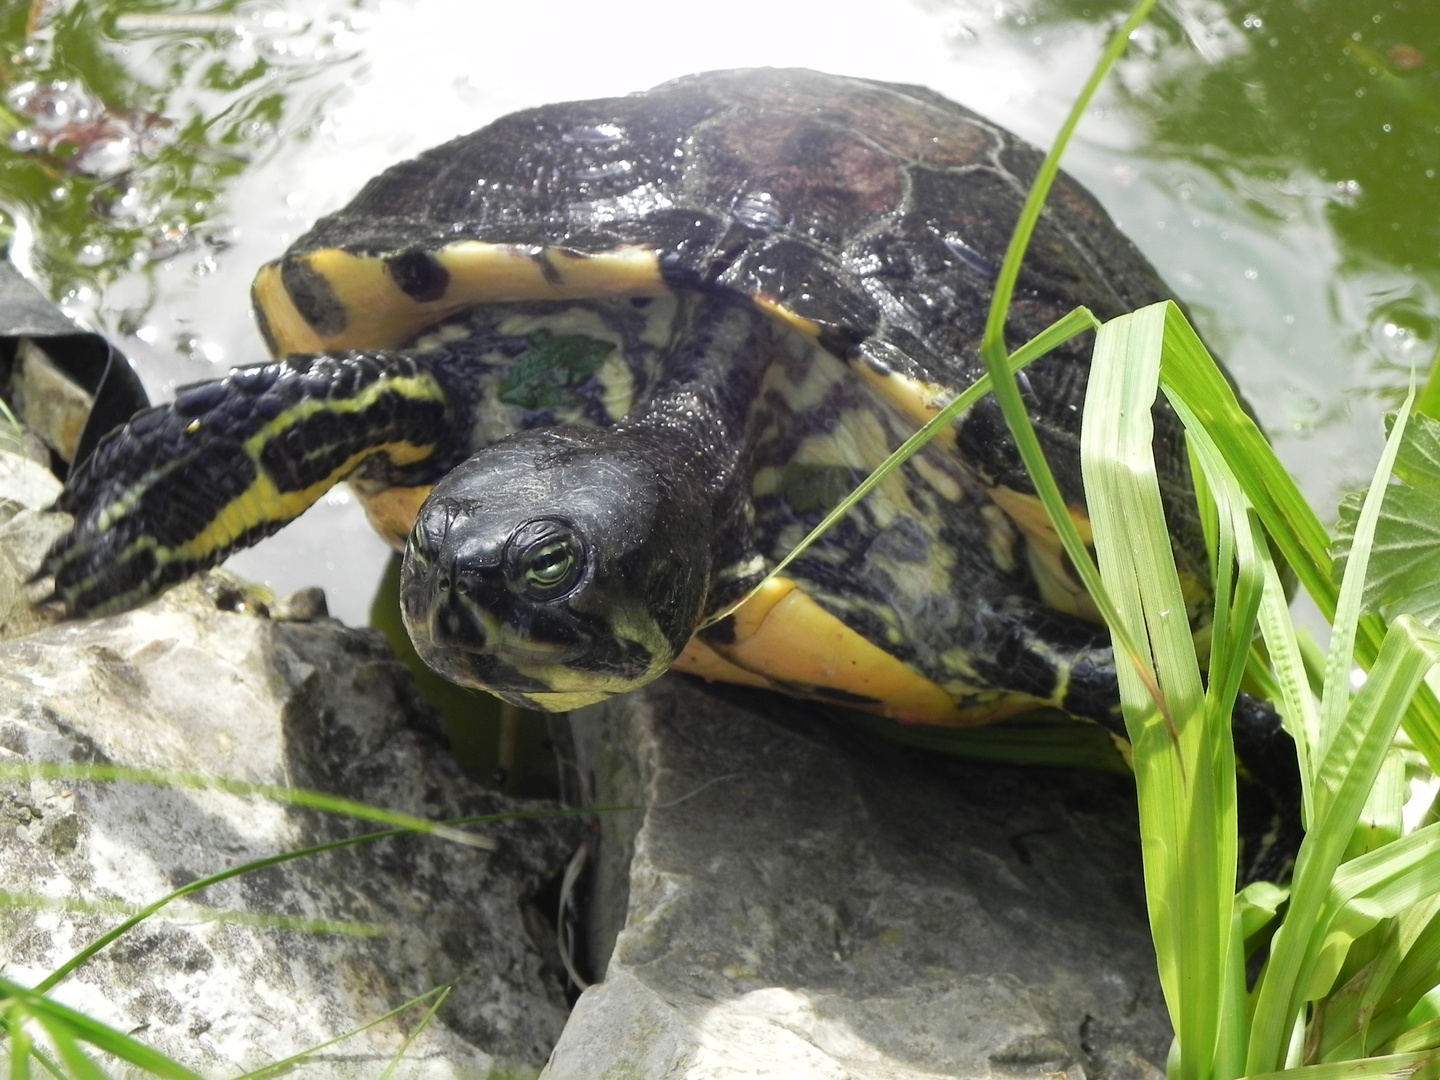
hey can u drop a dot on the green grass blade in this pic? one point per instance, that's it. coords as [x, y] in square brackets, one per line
[1184, 771]
[1297, 708]
[1414, 977]
[195, 913]
[276, 1068]
[1340, 1025]
[1007, 391]
[1230, 1038]
[20, 1045]
[1424, 1036]
[1382, 820]
[1192, 376]
[314, 800]
[425, 1021]
[1390, 879]
[65, 1023]
[1428, 402]
[79, 1064]
[64, 970]
[85, 954]
[1335, 698]
[1418, 1066]
[1353, 760]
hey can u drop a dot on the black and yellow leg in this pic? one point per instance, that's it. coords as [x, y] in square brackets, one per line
[231, 461]
[1069, 663]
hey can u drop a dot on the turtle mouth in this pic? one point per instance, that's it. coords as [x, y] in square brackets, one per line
[499, 647]
[522, 651]
[500, 669]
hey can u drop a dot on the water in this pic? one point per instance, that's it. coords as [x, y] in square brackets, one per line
[1278, 165]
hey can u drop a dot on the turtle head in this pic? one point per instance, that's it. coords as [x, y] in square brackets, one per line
[557, 567]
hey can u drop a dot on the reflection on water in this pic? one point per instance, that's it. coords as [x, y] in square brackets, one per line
[126, 122]
[1324, 115]
[1277, 160]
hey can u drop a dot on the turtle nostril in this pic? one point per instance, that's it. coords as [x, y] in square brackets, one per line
[462, 587]
[444, 583]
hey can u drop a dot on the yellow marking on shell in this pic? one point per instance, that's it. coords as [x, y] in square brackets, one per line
[380, 315]
[818, 371]
[1058, 586]
[441, 339]
[774, 307]
[945, 484]
[392, 511]
[698, 658]
[859, 435]
[783, 635]
[1000, 537]
[916, 400]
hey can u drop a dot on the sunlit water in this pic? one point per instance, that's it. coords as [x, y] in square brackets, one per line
[1309, 330]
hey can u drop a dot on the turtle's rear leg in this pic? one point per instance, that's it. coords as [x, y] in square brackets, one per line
[229, 462]
[1069, 662]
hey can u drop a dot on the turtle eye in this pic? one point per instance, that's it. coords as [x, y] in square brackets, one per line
[549, 566]
[547, 559]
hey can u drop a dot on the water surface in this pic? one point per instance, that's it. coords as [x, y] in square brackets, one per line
[1276, 160]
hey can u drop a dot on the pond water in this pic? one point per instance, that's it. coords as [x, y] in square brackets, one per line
[1277, 160]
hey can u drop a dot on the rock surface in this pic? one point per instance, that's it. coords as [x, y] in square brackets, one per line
[803, 902]
[183, 687]
[807, 903]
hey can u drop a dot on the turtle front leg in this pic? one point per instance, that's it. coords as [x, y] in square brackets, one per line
[229, 462]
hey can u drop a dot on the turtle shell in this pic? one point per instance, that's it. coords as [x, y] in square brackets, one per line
[870, 218]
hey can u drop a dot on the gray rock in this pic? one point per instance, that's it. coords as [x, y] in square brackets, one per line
[26, 533]
[183, 687]
[805, 902]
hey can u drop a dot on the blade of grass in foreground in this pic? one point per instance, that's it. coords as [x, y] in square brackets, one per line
[279, 1068]
[1417, 1066]
[1331, 905]
[315, 800]
[1347, 760]
[90, 950]
[1351, 764]
[1184, 769]
[1007, 390]
[70, 1028]
[1189, 374]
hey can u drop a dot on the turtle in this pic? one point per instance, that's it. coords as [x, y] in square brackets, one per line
[597, 366]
